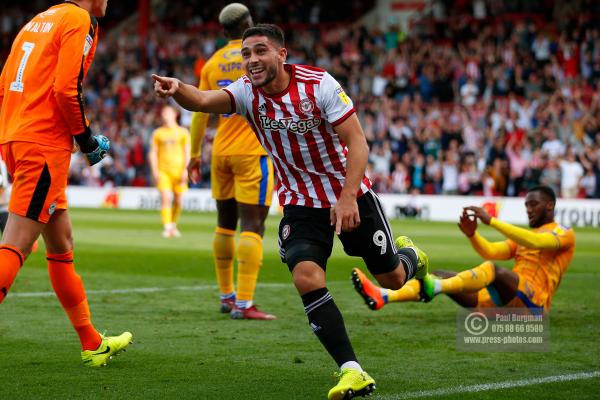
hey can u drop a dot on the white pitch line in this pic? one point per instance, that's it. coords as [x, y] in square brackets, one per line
[146, 290]
[198, 288]
[492, 386]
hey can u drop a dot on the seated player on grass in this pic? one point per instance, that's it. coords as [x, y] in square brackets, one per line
[542, 255]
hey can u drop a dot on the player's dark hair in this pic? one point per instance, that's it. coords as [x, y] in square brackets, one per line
[273, 32]
[236, 29]
[546, 191]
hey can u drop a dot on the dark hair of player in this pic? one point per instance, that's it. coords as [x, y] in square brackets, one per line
[546, 191]
[272, 32]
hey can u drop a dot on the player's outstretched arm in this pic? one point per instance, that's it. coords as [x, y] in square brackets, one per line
[192, 99]
[524, 237]
[486, 249]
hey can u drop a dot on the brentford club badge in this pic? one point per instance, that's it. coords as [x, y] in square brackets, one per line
[285, 232]
[306, 105]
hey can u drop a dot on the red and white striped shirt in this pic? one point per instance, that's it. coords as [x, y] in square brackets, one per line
[296, 128]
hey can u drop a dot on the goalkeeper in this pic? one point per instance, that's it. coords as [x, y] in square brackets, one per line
[41, 113]
[542, 255]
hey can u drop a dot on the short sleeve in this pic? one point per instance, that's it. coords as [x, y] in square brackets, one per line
[239, 93]
[335, 103]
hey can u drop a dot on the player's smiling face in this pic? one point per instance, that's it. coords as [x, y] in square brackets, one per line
[262, 59]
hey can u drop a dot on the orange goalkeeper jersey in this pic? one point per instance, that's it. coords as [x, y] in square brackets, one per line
[234, 136]
[41, 84]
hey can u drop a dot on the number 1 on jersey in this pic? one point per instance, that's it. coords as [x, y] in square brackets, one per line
[17, 85]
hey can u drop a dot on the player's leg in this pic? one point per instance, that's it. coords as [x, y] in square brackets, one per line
[19, 235]
[461, 287]
[487, 274]
[165, 187]
[391, 263]
[222, 180]
[253, 192]
[306, 240]
[175, 213]
[224, 251]
[68, 286]
[27, 164]
[249, 259]
[376, 297]
[179, 188]
[466, 299]
[166, 213]
[66, 282]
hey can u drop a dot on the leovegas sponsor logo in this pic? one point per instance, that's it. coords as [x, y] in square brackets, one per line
[300, 126]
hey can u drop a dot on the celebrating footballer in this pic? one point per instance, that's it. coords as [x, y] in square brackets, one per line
[308, 126]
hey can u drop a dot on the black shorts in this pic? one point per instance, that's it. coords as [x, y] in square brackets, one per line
[306, 234]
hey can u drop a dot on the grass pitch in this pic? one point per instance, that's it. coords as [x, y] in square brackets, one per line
[164, 292]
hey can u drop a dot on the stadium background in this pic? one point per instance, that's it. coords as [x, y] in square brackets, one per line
[463, 97]
[467, 97]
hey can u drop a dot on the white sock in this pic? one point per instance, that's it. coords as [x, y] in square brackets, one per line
[243, 303]
[351, 365]
[437, 287]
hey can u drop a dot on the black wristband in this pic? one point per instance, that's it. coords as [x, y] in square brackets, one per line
[86, 142]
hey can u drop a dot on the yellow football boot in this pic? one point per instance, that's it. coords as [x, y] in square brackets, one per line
[110, 346]
[352, 383]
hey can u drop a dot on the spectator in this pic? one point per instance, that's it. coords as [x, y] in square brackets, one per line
[503, 87]
[552, 147]
[450, 174]
[588, 184]
[571, 173]
[469, 92]
[551, 175]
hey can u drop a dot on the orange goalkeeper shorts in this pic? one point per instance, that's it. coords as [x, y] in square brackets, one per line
[40, 175]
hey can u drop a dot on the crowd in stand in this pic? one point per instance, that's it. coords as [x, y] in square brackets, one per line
[478, 98]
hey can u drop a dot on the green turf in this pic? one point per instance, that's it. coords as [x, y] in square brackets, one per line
[185, 349]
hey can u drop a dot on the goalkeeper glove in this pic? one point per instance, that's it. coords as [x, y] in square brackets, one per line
[93, 147]
[94, 157]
